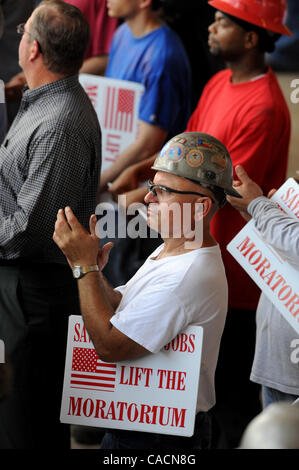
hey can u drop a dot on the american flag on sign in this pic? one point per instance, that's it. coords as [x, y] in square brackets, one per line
[119, 109]
[89, 372]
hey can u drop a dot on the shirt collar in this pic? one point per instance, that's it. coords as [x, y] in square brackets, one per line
[63, 84]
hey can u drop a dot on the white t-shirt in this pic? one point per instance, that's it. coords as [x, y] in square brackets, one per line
[167, 295]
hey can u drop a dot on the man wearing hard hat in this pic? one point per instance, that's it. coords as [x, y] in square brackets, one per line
[243, 107]
[176, 287]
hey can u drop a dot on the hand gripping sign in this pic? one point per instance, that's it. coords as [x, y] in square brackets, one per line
[275, 276]
[116, 103]
[156, 393]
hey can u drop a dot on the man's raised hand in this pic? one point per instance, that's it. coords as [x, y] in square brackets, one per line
[80, 247]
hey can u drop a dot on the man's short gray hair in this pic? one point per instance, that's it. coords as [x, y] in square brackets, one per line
[62, 33]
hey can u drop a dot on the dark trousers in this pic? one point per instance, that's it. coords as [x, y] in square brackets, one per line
[35, 302]
[237, 398]
[201, 439]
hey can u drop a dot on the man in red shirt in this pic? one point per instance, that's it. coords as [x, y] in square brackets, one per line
[244, 108]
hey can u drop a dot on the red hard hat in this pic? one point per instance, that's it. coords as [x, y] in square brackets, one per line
[267, 14]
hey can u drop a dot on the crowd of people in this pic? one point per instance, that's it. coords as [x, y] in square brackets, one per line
[224, 153]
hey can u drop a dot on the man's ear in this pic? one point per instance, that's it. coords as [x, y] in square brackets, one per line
[34, 50]
[251, 40]
[144, 3]
[202, 208]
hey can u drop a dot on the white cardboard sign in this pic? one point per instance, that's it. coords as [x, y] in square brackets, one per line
[156, 393]
[117, 105]
[275, 276]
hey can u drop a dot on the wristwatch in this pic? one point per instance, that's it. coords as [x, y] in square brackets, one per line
[80, 271]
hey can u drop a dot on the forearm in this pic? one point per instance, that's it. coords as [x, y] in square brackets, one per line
[95, 65]
[14, 88]
[277, 228]
[96, 310]
[144, 168]
[149, 141]
[15, 241]
[134, 153]
[114, 297]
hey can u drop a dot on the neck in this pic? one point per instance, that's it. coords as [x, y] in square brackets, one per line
[41, 77]
[247, 68]
[177, 246]
[143, 23]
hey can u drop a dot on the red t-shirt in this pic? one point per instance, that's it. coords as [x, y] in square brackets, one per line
[252, 120]
[101, 25]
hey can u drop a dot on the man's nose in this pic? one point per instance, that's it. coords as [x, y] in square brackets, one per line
[212, 28]
[149, 197]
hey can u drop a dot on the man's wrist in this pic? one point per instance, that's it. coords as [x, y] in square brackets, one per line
[252, 204]
[80, 271]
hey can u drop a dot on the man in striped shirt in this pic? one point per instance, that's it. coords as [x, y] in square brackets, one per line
[50, 157]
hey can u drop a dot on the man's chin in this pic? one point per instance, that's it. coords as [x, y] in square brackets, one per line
[215, 51]
[152, 223]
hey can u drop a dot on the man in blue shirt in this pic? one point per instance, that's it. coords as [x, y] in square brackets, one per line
[147, 51]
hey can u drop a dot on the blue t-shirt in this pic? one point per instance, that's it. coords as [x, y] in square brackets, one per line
[157, 60]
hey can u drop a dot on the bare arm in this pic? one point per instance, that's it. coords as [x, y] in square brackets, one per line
[132, 176]
[13, 88]
[113, 296]
[110, 344]
[150, 139]
[97, 307]
[95, 65]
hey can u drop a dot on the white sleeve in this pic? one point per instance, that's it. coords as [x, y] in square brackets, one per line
[278, 229]
[152, 319]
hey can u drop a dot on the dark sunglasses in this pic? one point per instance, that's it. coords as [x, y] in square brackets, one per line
[151, 186]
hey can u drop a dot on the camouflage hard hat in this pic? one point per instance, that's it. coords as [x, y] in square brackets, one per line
[200, 158]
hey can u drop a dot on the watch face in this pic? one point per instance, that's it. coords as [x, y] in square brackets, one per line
[77, 272]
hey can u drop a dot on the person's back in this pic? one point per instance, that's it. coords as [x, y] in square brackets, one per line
[53, 122]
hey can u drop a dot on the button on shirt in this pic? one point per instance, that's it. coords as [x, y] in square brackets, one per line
[50, 158]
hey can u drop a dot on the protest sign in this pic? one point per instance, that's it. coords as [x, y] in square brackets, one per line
[155, 393]
[276, 276]
[117, 104]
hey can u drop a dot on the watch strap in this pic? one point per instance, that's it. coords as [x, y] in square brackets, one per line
[80, 271]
